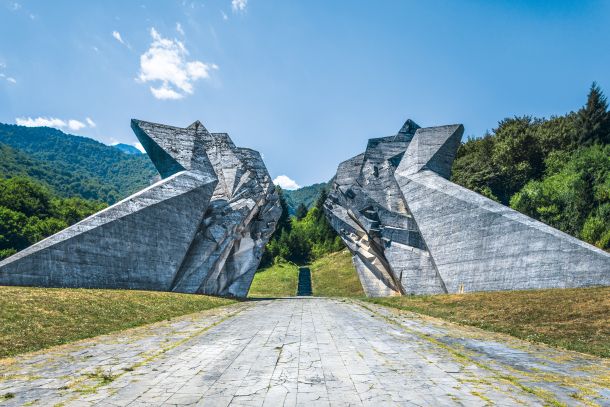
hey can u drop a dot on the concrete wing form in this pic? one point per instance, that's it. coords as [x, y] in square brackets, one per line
[480, 245]
[366, 208]
[200, 229]
[411, 231]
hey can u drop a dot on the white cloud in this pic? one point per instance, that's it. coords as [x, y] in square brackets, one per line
[76, 125]
[285, 182]
[139, 147]
[165, 62]
[165, 92]
[41, 121]
[239, 5]
[117, 36]
[11, 79]
[179, 28]
[224, 15]
[71, 124]
[15, 6]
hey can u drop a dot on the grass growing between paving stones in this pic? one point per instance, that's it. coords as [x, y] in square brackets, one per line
[279, 280]
[36, 318]
[334, 275]
[575, 319]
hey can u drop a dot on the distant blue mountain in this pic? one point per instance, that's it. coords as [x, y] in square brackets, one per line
[127, 149]
[304, 195]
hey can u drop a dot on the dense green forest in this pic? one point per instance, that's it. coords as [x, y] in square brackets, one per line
[555, 170]
[72, 165]
[301, 239]
[29, 212]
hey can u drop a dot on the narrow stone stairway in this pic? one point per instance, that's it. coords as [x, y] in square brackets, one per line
[304, 287]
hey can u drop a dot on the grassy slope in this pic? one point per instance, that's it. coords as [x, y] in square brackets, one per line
[334, 275]
[36, 318]
[576, 319]
[279, 280]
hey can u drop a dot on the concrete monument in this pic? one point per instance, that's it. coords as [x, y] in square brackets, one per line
[412, 231]
[200, 229]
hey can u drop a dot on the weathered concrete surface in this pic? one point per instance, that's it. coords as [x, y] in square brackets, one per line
[304, 351]
[137, 243]
[411, 231]
[366, 208]
[478, 244]
[201, 229]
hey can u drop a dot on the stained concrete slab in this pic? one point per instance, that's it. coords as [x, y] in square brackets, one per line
[304, 351]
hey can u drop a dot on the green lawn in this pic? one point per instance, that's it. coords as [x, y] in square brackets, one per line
[334, 275]
[36, 318]
[279, 280]
[575, 319]
[331, 276]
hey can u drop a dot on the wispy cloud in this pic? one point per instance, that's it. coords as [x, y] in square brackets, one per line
[117, 36]
[286, 182]
[179, 28]
[4, 76]
[165, 62]
[239, 6]
[224, 15]
[70, 124]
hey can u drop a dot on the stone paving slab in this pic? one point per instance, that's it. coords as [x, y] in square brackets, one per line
[304, 351]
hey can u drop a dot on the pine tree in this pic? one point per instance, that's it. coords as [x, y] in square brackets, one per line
[283, 222]
[593, 118]
[301, 211]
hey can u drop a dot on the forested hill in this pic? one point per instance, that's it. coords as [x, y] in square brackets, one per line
[555, 170]
[72, 165]
[305, 195]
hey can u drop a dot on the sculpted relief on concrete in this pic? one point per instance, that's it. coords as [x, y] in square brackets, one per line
[412, 231]
[200, 229]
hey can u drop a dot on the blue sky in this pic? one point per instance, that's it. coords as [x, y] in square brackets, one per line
[306, 83]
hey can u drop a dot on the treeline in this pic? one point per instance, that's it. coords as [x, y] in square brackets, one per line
[29, 212]
[555, 170]
[301, 238]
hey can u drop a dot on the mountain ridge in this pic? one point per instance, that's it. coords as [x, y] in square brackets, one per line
[73, 165]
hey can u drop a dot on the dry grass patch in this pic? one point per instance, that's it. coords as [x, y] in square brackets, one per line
[36, 318]
[575, 319]
[334, 275]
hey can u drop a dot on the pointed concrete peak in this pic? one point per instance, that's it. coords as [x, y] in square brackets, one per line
[172, 149]
[409, 127]
[197, 125]
[432, 148]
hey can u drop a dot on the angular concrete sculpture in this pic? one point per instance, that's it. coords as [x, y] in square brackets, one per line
[200, 229]
[412, 231]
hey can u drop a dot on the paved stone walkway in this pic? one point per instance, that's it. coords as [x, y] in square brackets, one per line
[304, 351]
